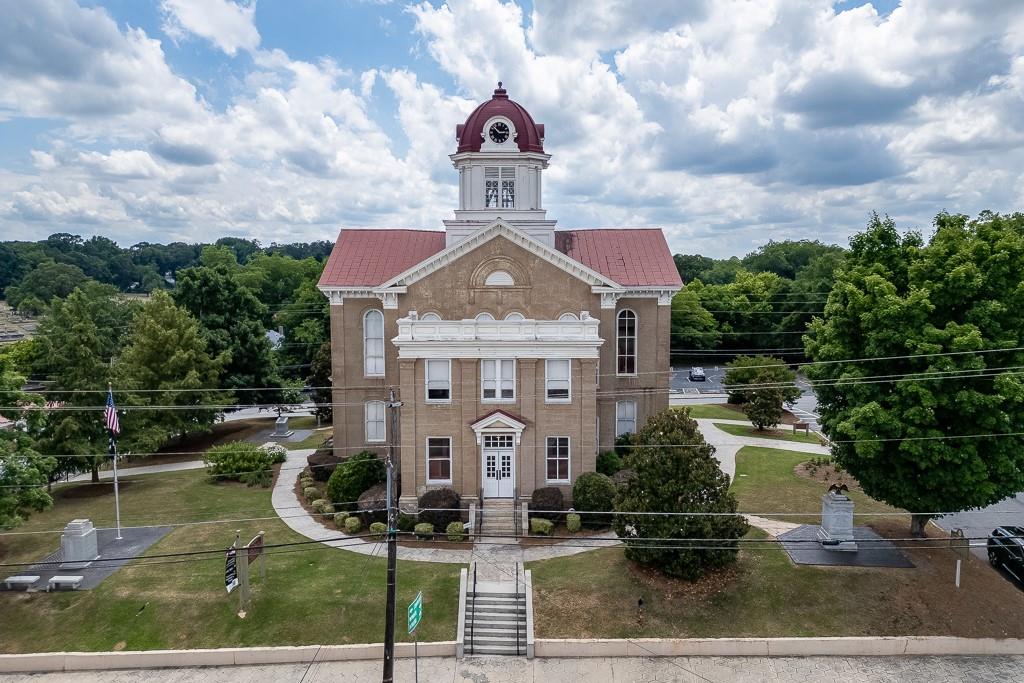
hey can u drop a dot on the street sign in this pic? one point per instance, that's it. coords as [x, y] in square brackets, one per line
[415, 611]
[231, 570]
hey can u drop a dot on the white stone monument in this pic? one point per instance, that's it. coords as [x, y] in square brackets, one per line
[78, 546]
[281, 427]
[836, 530]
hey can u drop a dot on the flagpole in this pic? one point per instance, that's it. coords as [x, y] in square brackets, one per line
[113, 453]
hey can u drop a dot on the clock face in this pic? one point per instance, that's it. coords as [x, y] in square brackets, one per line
[499, 132]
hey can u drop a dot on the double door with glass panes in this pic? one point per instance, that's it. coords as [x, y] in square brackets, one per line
[499, 465]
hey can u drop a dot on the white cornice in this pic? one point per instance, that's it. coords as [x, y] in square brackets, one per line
[485, 234]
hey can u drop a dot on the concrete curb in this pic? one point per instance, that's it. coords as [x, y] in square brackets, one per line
[157, 659]
[568, 648]
[872, 646]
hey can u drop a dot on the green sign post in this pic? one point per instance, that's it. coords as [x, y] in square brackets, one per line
[414, 615]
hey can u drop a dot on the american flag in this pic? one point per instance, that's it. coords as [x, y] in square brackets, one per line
[111, 414]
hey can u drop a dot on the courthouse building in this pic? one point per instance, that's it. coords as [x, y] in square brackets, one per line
[519, 351]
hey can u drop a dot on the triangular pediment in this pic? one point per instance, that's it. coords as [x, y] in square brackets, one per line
[498, 419]
[499, 228]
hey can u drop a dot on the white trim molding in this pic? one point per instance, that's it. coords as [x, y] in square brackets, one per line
[497, 422]
[498, 338]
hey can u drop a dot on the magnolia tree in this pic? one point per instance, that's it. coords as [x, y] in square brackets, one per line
[675, 470]
[920, 345]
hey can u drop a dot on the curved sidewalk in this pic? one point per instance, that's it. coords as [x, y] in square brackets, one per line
[727, 445]
[285, 501]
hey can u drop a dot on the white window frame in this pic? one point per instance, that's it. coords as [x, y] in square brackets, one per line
[484, 317]
[426, 380]
[619, 337]
[430, 317]
[426, 456]
[548, 380]
[498, 380]
[366, 338]
[568, 460]
[496, 180]
[619, 420]
[515, 316]
[367, 421]
[499, 278]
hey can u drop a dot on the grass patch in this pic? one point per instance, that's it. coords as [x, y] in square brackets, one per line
[594, 595]
[715, 411]
[314, 440]
[316, 595]
[749, 430]
[765, 482]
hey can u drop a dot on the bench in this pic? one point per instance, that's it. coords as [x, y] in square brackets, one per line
[11, 582]
[62, 582]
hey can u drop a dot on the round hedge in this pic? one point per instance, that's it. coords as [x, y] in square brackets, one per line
[354, 476]
[547, 503]
[456, 531]
[440, 507]
[594, 492]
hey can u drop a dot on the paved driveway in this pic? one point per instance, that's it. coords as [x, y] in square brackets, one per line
[982, 522]
[589, 670]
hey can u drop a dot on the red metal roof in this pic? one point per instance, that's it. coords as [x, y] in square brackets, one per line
[637, 257]
[529, 135]
[371, 257]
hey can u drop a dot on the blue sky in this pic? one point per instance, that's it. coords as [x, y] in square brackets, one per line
[726, 123]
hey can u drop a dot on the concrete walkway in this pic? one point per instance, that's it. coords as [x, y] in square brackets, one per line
[495, 554]
[123, 472]
[727, 445]
[584, 670]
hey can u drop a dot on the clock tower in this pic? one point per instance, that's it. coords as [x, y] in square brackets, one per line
[500, 159]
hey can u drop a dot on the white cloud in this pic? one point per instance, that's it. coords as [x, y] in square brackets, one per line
[228, 25]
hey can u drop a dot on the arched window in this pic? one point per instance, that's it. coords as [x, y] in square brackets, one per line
[567, 317]
[484, 318]
[499, 278]
[373, 415]
[514, 316]
[625, 347]
[431, 317]
[373, 343]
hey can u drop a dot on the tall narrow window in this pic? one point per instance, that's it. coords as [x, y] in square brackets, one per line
[498, 379]
[373, 344]
[439, 380]
[626, 343]
[557, 380]
[374, 416]
[499, 187]
[625, 418]
[439, 459]
[557, 462]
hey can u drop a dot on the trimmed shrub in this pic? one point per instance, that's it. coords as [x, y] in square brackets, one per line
[278, 453]
[354, 476]
[237, 459]
[339, 519]
[257, 478]
[379, 529]
[540, 526]
[320, 505]
[372, 505]
[573, 522]
[546, 500]
[405, 522]
[622, 477]
[322, 464]
[456, 531]
[424, 530]
[622, 445]
[353, 525]
[609, 463]
[311, 493]
[440, 507]
[594, 492]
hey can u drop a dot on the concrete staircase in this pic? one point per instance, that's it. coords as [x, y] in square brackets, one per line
[495, 616]
[499, 519]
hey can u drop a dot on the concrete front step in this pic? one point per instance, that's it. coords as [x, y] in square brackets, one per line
[497, 650]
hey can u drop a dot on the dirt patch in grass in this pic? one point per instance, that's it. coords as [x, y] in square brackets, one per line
[89, 490]
[824, 471]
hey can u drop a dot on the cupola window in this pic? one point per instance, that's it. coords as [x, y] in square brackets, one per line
[499, 187]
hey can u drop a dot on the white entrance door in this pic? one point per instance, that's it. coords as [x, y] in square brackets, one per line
[499, 465]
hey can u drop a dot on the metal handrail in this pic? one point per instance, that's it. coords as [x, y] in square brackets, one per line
[517, 609]
[472, 613]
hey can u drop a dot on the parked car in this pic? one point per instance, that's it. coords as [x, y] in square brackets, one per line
[1006, 550]
[697, 375]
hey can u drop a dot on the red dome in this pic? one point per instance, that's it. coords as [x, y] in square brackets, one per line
[529, 135]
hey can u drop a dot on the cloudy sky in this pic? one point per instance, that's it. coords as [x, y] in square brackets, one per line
[726, 123]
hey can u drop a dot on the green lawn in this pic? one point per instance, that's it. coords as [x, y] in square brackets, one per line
[765, 482]
[714, 411]
[314, 440]
[779, 434]
[316, 595]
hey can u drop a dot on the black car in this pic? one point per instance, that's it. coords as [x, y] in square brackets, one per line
[697, 375]
[1006, 550]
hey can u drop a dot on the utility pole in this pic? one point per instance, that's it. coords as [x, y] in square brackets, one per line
[389, 617]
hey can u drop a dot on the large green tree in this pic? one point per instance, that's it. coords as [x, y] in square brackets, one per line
[692, 326]
[232, 320]
[45, 282]
[920, 430]
[746, 374]
[675, 470]
[165, 365]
